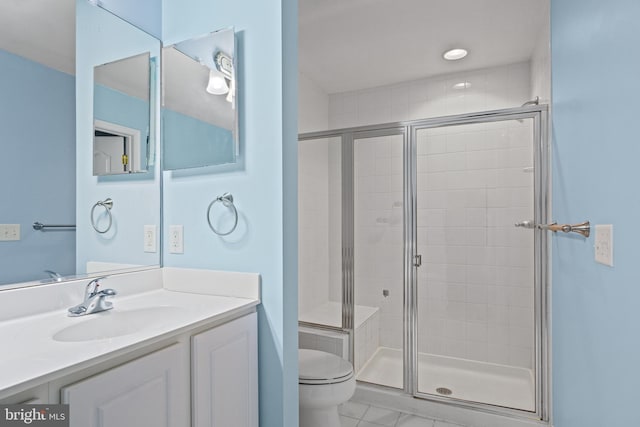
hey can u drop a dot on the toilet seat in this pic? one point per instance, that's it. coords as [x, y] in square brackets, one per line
[320, 367]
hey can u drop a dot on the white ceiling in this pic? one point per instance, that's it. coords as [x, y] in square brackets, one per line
[343, 44]
[129, 75]
[355, 44]
[41, 30]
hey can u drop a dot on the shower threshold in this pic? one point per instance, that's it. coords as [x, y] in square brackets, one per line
[468, 380]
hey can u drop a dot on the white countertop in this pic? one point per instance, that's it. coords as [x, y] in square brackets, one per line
[30, 351]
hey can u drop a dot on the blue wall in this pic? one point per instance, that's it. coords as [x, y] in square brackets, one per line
[116, 107]
[596, 314]
[100, 38]
[262, 182]
[188, 142]
[37, 117]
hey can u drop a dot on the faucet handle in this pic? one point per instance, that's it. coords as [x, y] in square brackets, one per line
[92, 287]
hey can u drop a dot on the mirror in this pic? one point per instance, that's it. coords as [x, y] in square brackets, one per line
[38, 107]
[121, 112]
[200, 114]
[38, 123]
[115, 212]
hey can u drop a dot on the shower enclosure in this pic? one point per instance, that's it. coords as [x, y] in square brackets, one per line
[408, 246]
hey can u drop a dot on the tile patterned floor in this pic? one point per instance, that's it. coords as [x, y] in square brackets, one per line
[355, 414]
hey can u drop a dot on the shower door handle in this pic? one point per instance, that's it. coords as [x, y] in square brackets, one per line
[526, 224]
[417, 260]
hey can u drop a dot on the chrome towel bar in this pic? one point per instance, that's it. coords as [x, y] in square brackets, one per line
[583, 228]
[40, 226]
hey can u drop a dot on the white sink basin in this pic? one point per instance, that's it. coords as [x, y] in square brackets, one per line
[115, 323]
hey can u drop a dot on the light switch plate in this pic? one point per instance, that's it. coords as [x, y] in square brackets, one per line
[9, 232]
[150, 233]
[176, 239]
[604, 244]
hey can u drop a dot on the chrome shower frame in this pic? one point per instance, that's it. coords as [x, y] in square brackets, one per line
[542, 293]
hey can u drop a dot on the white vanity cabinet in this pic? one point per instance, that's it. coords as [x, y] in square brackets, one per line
[150, 391]
[225, 375]
[179, 349]
[34, 396]
[209, 378]
[204, 376]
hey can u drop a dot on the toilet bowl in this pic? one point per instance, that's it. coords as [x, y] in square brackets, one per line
[325, 381]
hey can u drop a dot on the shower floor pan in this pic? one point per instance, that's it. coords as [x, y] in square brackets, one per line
[468, 380]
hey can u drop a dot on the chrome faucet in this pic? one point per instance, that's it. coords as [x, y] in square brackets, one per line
[54, 275]
[94, 300]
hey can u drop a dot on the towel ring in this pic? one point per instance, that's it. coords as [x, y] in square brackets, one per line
[107, 204]
[227, 201]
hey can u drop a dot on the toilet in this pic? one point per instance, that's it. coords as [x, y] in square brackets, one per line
[325, 381]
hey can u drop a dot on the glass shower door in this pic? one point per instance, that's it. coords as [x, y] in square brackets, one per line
[476, 286]
[320, 238]
[378, 227]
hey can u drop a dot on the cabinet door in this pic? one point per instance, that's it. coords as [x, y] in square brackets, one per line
[152, 391]
[225, 375]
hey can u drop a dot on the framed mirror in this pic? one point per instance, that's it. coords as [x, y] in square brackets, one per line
[200, 95]
[121, 112]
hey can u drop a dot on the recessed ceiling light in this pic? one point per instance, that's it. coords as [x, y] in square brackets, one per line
[454, 54]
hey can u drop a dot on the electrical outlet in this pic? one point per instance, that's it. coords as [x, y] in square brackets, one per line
[176, 239]
[604, 244]
[9, 232]
[150, 238]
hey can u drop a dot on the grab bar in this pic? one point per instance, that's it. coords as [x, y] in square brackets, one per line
[40, 226]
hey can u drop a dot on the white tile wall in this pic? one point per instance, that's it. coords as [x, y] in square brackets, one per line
[366, 334]
[317, 339]
[367, 337]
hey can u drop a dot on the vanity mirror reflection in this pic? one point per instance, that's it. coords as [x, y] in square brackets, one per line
[46, 113]
[200, 95]
[121, 111]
